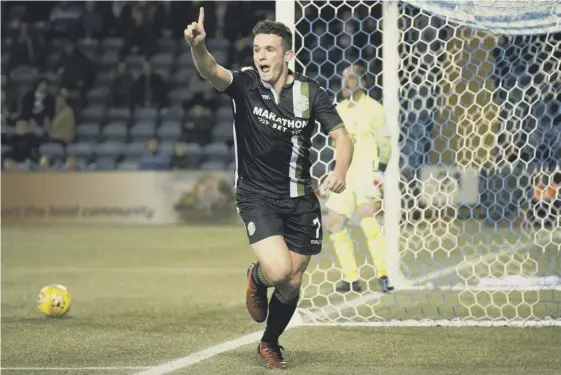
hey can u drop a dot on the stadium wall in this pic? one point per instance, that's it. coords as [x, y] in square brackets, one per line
[193, 197]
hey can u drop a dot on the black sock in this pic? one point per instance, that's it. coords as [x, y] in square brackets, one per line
[258, 277]
[279, 316]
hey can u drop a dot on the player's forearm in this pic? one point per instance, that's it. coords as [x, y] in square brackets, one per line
[384, 152]
[343, 153]
[204, 61]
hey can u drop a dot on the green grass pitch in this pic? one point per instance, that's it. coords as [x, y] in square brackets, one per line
[143, 296]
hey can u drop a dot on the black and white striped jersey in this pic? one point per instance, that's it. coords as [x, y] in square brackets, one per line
[272, 134]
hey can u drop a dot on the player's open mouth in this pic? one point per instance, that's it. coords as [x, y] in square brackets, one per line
[265, 68]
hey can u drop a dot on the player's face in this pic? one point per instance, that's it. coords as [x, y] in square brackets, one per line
[270, 57]
[351, 82]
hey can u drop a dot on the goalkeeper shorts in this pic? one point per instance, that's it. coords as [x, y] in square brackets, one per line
[298, 220]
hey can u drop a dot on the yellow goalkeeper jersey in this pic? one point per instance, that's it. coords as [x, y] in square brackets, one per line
[365, 121]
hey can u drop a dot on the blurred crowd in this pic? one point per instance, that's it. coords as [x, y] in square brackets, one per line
[105, 85]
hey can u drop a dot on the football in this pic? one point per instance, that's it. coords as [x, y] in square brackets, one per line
[54, 300]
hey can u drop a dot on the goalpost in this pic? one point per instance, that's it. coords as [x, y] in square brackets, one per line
[471, 92]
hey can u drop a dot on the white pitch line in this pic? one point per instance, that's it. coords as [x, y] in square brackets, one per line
[308, 317]
[74, 368]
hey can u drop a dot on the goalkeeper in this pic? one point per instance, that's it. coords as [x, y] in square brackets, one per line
[365, 121]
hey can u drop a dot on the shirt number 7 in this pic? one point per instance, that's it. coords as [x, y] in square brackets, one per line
[317, 223]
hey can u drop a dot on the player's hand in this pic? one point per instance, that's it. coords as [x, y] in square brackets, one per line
[195, 33]
[378, 182]
[335, 182]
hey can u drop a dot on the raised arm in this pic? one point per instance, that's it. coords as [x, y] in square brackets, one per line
[207, 66]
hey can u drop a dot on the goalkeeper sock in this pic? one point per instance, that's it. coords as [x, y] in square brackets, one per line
[258, 277]
[280, 313]
[376, 244]
[344, 249]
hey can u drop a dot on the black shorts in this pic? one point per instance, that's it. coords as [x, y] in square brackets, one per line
[298, 220]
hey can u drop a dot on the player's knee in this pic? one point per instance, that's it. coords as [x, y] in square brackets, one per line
[335, 222]
[367, 209]
[290, 289]
[280, 275]
[295, 281]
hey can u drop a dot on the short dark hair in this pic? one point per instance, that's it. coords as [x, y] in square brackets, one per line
[275, 28]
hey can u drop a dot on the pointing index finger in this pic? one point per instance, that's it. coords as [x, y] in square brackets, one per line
[201, 15]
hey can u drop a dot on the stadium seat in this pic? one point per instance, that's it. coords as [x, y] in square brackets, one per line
[185, 60]
[105, 163]
[164, 72]
[173, 113]
[53, 77]
[109, 148]
[5, 149]
[87, 46]
[217, 151]
[88, 131]
[51, 149]
[109, 60]
[177, 96]
[162, 60]
[52, 59]
[112, 44]
[182, 77]
[231, 166]
[24, 75]
[145, 114]
[143, 130]
[104, 78]
[195, 151]
[225, 114]
[135, 61]
[223, 132]
[213, 165]
[167, 45]
[128, 165]
[98, 96]
[93, 114]
[115, 131]
[79, 149]
[221, 57]
[134, 149]
[166, 147]
[218, 44]
[169, 130]
[118, 114]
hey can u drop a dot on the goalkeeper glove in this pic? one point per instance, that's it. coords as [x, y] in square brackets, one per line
[384, 153]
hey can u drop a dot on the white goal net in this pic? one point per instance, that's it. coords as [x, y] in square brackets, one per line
[472, 95]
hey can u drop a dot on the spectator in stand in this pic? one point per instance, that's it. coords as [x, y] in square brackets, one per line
[149, 89]
[38, 105]
[122, 86]
[71, 164]
[164, 19]
[199, 124]
[75, 69]
[24, 147]
[153, 158]
[180, 159]
[63, 127]
[243, 51]
[45, 163]
[27, 48]
[140, 38]
[9, 99]
[92, 21]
